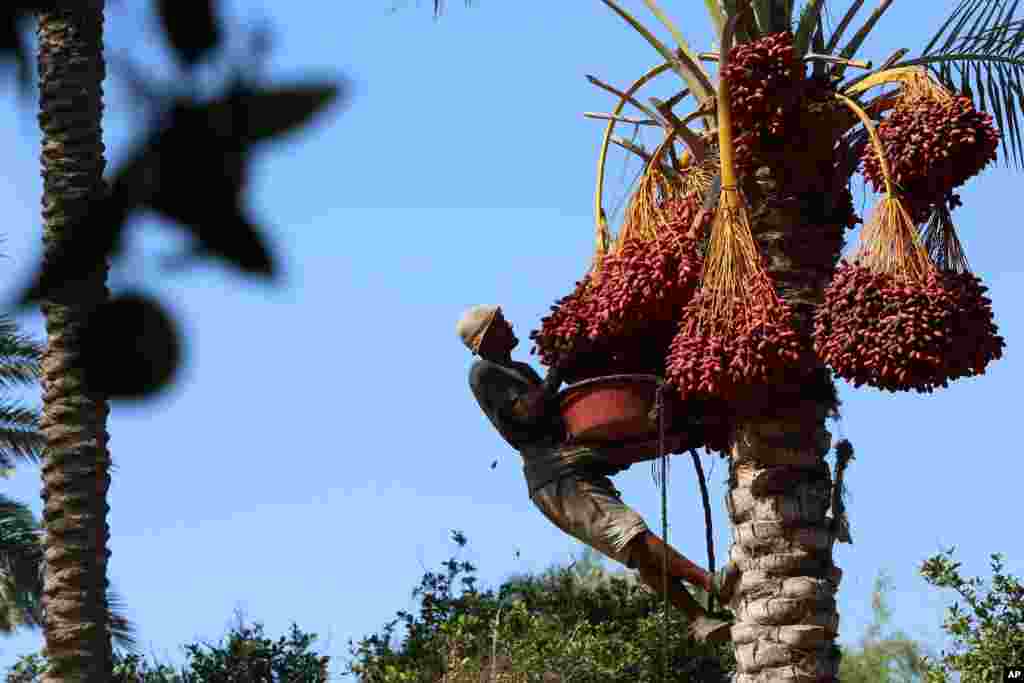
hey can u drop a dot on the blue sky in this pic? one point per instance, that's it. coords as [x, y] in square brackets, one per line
[322, 443]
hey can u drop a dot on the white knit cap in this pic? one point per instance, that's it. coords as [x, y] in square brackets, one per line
[474, 322]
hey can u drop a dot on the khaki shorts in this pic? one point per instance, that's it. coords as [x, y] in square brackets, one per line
[590, 509]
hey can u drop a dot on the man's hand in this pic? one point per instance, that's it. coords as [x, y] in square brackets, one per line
[534, 404]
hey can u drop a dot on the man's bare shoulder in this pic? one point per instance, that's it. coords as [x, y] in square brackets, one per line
[482, 370]
[486, 372]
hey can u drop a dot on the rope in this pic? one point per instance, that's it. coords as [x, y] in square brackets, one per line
[663, 456]
[708, 531]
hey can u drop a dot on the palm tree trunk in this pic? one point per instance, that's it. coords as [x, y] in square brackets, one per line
[785, 603]
[780, 485]
[76, 463]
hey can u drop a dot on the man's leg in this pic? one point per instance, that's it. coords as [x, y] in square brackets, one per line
[592, 511]
[677, 595]
[647, 550]
[702, 627]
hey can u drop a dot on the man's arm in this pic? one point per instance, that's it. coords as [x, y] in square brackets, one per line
[553, 380]
[534, 404]
[495, 389]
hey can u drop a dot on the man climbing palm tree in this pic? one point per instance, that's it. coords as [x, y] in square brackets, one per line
[782, 537]
[569, 482]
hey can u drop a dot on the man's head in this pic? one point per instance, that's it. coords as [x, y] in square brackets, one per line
[484, 330]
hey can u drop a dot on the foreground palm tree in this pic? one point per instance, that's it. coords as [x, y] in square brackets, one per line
[21, 535]
[76, 462]
[781, 488]
[21, 540]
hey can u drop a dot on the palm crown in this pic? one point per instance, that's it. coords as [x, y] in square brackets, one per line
[977, 51]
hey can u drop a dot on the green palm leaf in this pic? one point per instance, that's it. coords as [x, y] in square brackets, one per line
[773, 16]
[818, 46]
[746, 27]
[20, 438]
[19, 356]
[122, 630]
[810, 17]
[987, 60]
[715, 13]
[837, 34]
[684, 62]
[20, 359]
[850, 51]
[21, 557]
[763, 16]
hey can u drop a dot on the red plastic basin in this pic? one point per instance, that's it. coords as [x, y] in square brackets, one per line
[612, 408]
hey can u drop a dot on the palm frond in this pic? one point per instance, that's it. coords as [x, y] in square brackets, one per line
[683, 62]
[715, 13]
[20, 356]
[860, 36]
[837, 35]
[773, 16]
[21, 559]
[818, 46]
[20, 438]
[11, 509]
[810, 17]
[123, 632]
[987, 60]
[746, 26]
[782, 14]
[19, 530]
[763, 15]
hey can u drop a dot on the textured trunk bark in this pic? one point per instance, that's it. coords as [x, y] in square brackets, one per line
[782, 542]
[76, 464]
[780, 484]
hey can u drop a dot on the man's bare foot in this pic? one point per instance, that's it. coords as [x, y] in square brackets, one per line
[708, 630]
[724, 581]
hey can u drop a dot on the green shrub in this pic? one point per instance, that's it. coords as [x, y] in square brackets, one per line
[989, 634]
[246, 655]
[576, 623]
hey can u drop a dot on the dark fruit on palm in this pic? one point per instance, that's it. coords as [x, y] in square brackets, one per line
[899, 335]
[932, 147]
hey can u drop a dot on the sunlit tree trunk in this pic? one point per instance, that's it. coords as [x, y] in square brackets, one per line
[76, 463]
[786, 609]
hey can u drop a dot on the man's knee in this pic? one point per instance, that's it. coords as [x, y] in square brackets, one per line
[639, 552]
